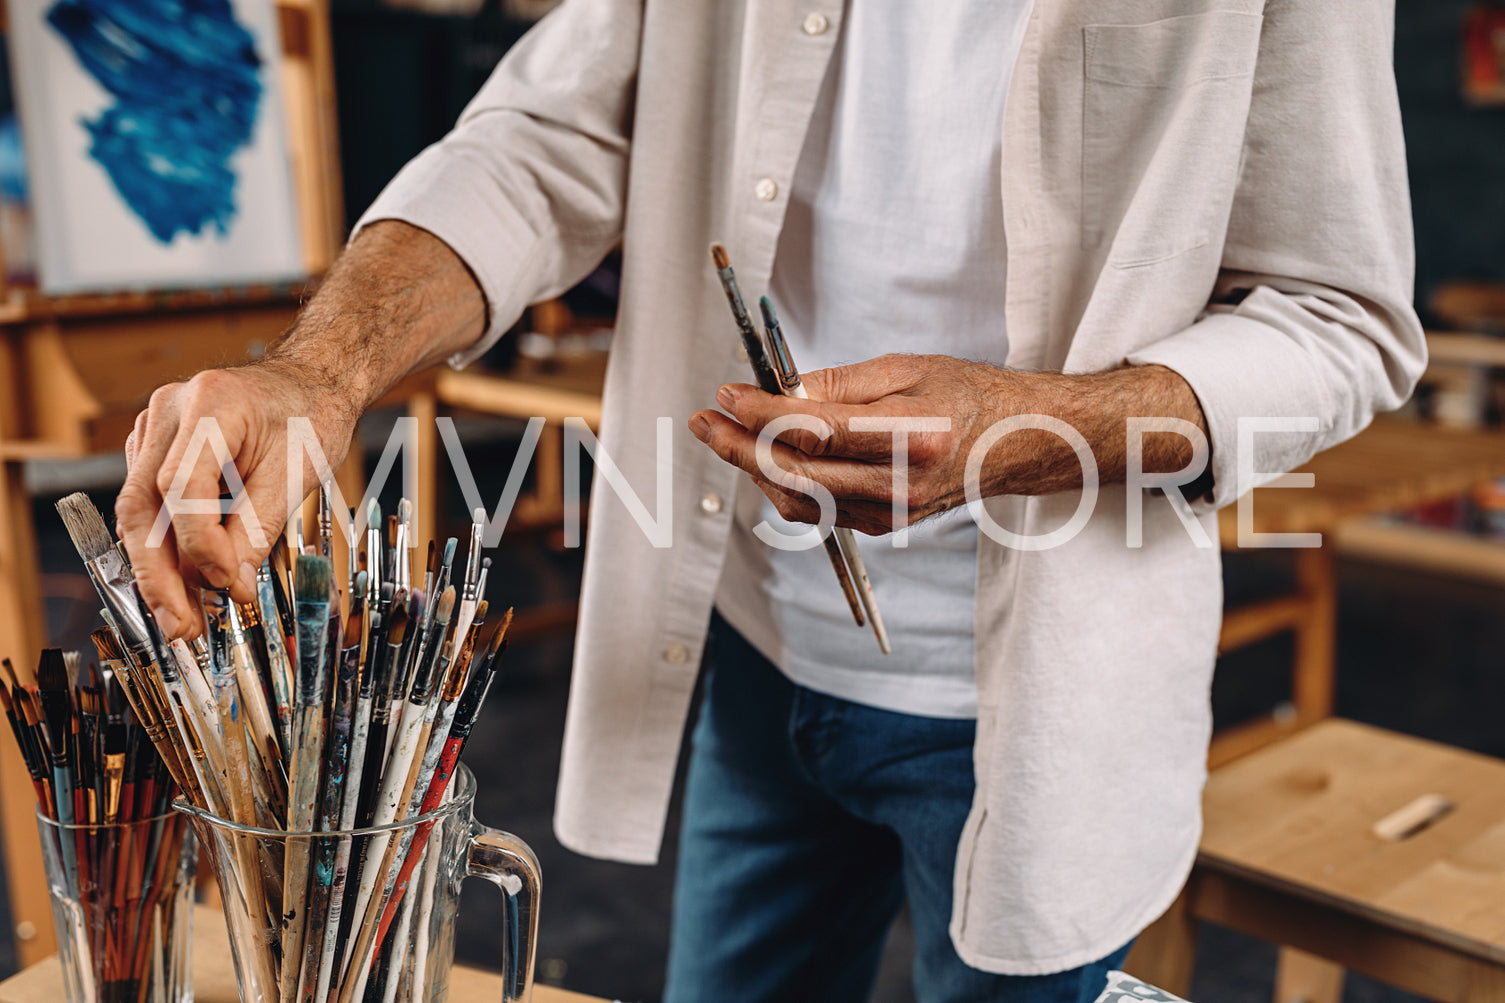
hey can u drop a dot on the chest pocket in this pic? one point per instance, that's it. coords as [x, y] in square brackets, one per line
[1163, 116]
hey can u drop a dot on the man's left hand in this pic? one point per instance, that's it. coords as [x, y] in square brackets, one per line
[856, 461]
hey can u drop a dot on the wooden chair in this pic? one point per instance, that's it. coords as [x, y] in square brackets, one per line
[1392, 466]
[1360, 849]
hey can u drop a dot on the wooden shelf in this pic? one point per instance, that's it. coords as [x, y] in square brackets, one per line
[29, 306]
[1440, 551]
[1465, 349]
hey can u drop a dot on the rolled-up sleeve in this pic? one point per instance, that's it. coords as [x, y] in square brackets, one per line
[529, 187]
[1311, 316]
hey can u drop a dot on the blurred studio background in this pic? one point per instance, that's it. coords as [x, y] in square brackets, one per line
[1398, 621]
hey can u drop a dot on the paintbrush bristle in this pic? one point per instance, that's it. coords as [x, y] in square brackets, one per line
[446, 606]
[74, 664]
[719, 256]
[105, 645]
[449, 552]
[405, 512]
[397, 628]
[429, 563]
[52, 671]
[480, 616]
[500, 635]
[10, 673]
[86, 527]
[311, 579]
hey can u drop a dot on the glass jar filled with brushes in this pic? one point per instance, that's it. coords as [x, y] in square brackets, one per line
[315, 733]
[119, 862]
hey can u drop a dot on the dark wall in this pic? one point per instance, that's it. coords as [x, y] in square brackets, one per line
[403, 79]
[1456, 152]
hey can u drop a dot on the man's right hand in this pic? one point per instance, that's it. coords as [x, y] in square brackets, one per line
[398, 300]
[252, 405]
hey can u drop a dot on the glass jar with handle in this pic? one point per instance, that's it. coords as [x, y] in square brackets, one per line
[375, 920]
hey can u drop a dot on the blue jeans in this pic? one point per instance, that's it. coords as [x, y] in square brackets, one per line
[808, 821]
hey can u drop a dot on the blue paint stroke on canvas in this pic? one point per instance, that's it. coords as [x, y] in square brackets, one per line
[185, 78]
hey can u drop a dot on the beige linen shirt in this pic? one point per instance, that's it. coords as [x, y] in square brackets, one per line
[1217, 186]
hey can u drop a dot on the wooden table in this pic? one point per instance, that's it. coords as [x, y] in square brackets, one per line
[1392, 466]
[1380, 853]
[214, 975]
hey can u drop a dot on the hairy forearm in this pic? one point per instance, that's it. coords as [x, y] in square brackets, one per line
[396, 301]
[1098, 406]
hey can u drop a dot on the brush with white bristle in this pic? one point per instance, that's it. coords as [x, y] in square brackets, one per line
[108, 570]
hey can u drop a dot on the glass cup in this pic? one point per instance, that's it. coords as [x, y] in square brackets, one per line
[122, 902]
[376, 919]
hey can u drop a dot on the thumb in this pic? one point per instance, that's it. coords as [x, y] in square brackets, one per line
[864, 382]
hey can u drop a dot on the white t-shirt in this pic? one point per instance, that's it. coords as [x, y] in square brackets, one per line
[893, 243]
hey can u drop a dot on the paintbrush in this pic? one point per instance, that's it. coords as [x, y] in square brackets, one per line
[351, 802]
[374, 550]
[57, 713]
[768, 381]
[258, 717]
[194, 707]
[455, 737]
[851, 557]
[751, 343]
[402, 664]
[403, 554]
[326, 523]
[394, 779]
[279, 665]
[429, 565]
[448, 683]
[191, 729]
[36, 762]
[470, 587]
[108, 570]
[240, 789]
[323, 913]
[446, 567]
[386, 645]
[311, 588]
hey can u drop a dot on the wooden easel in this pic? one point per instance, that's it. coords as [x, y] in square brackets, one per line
[75, 370]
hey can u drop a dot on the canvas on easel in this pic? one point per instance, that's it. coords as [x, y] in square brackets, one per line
[156, 143]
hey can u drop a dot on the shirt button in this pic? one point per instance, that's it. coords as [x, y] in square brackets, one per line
[767, 189]
[676, 654]
[710, 503]
[816, 24]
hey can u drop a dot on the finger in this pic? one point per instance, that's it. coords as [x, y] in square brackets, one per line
[871, 518]
[154, 564]
[795, 470]
[754, 410]
[132, 441]
[189, 482]
[257, 522]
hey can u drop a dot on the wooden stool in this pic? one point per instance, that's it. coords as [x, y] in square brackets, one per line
[1360, 849]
